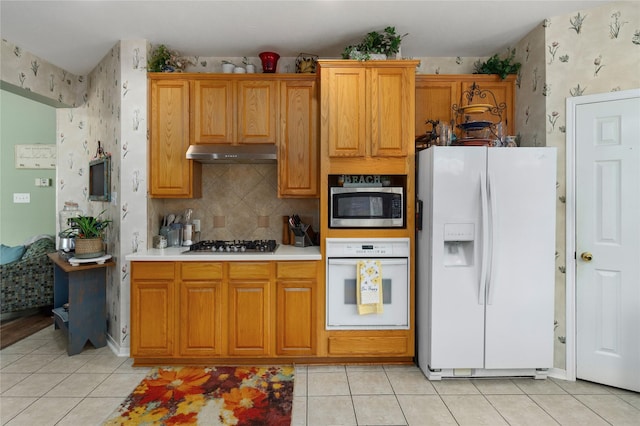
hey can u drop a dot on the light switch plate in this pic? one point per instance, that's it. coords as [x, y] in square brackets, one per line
[24, 197]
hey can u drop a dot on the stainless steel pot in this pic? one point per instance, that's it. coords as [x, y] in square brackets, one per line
[67, 244]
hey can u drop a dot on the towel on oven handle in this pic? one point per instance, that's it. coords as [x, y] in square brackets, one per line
[369, 287]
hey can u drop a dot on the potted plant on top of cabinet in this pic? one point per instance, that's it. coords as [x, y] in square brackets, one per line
[496, 65]
[163, 59]
[375, 45]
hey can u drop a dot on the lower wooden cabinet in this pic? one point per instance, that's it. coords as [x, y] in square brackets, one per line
[200, 309]
[249, 314]
[223, 309]
[296, 324]
[152, 309]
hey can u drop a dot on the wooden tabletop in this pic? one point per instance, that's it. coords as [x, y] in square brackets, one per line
[67, 267]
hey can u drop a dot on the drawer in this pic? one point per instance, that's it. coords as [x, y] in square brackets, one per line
[249, 270]
[297, 269]
[373, 346]
[202, 270]
[152, 270]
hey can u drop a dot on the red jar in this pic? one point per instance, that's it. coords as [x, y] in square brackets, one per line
[269, 61]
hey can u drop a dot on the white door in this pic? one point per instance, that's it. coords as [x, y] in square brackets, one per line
[520, 289]
[607, 146]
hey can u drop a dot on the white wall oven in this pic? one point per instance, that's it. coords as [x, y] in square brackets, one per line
[345, 258]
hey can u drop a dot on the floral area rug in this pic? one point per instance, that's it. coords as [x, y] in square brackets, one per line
[210, 396]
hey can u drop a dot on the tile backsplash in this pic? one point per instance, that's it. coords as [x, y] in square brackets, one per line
[239, 201]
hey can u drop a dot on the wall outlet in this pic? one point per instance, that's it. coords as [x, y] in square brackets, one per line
[21, 197]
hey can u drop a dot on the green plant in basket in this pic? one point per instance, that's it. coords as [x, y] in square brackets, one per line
[89, 235]
[86, 227]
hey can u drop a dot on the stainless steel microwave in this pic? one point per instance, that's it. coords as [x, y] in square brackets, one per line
[366, 207]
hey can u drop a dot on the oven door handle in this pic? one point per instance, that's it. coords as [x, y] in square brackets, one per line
[383, 261]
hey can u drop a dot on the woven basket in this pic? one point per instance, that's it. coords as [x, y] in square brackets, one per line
[87, 248]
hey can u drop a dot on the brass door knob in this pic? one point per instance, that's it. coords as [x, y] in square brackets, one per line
[586, 256]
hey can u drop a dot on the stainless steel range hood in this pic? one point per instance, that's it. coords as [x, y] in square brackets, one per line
[211, 153]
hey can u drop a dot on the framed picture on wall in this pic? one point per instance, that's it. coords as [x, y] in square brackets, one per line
[100, 179]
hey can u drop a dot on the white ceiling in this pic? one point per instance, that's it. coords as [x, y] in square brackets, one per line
[75, 35]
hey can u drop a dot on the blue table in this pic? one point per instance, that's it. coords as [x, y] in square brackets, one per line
[83, 287]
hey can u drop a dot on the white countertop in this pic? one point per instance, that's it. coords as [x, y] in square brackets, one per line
[284, 252]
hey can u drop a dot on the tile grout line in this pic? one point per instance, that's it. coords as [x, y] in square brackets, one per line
[406, 421]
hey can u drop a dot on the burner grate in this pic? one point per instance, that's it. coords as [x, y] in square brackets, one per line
[234, 246]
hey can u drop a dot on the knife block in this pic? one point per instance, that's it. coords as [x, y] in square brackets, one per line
[303, 235]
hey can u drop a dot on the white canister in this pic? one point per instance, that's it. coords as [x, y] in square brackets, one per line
[251, 68]
[228, 68]
[239, 70]
[187, 234]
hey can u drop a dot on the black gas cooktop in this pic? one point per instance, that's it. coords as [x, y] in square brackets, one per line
[234, 246]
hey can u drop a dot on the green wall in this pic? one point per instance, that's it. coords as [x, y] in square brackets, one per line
[25, 122]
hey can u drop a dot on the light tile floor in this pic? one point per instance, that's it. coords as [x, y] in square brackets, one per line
[41, 385]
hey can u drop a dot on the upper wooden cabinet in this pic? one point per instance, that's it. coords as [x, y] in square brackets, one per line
[298, 144]
[171, 175]
[234, 110]
[436, 95]
[213, 111]
[367, 108]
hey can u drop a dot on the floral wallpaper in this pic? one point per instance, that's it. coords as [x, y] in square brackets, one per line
[591, 51]
[114, 114]
[44, 80]
[109, 105]
[586, 52]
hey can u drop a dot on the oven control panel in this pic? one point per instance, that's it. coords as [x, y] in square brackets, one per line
[368, 247]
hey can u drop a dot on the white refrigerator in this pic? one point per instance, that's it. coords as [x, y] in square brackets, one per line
[485, 261]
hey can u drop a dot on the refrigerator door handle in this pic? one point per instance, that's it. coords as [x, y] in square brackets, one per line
[494, 237]
[485, 239]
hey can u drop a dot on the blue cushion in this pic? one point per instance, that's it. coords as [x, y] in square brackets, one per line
[10, 254]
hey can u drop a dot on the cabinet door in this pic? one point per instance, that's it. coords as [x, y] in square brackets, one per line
[434, 101]
[257, 105]
[212, 117]
[344, 94]
[298, 150]
[392, 97]
[200, 326]
[171, 175]
[249, 310]
[504, 95]
[152, 309]
[295, 308]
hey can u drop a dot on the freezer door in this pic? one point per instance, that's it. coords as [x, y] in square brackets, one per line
[520, 291]
[456, 310]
